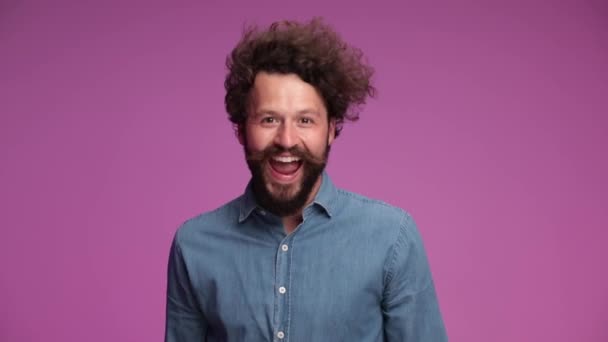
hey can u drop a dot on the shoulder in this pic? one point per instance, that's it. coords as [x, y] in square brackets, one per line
[363, 205]
[214, 220]
[376, 213]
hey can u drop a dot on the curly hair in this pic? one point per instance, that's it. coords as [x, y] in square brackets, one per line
[314, 52]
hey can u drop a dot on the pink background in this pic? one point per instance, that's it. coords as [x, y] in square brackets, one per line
[490, 127]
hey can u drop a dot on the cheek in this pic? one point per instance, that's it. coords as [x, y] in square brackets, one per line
[318, 143]
[257, 140]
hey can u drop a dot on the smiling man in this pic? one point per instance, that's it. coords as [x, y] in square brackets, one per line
[295, 258]
[286, 137]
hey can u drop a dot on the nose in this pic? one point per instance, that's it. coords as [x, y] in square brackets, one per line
[286, 136]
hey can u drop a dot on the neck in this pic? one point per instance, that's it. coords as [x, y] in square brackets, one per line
[290, 223]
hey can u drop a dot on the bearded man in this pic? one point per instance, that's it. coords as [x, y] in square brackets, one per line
[295, 258]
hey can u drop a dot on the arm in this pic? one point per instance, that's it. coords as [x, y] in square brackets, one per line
[410, 307]
[184, 320]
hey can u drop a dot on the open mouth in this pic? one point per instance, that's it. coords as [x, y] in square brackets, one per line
[285, 167]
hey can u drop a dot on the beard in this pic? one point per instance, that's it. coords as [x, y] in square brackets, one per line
[284, 199]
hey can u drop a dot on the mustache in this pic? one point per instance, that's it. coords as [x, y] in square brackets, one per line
[274, 150]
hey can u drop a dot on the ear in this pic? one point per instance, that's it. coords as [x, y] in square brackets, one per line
[331, 135]
[239, 130]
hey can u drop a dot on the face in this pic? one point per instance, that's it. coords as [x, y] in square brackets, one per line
[286, 137]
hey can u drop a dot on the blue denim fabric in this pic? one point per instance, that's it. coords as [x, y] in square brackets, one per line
[354, 270]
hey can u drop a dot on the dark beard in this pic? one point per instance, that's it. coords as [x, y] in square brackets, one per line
[281, 203]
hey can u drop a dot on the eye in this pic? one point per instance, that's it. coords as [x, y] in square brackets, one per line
[306, 121]
[269, 120]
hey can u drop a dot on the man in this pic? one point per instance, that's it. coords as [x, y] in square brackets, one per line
[295, 258]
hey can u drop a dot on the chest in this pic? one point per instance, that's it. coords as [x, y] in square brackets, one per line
[299, 284]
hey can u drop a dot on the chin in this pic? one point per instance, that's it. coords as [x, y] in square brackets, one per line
[283, 192]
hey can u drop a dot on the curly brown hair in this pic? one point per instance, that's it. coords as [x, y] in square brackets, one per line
[314, 52]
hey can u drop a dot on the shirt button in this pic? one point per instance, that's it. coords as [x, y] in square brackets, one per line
[280, 335]
[284, 248]
[282, 290]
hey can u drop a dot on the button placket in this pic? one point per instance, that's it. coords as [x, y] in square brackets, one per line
[282, 274]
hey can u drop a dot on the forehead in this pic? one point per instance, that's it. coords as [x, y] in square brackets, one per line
[284, 93]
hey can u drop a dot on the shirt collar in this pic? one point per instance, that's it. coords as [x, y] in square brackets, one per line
[325, 198]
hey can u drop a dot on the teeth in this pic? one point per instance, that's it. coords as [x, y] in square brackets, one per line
[286, 159]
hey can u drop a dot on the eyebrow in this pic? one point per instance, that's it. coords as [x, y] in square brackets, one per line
[300, 112]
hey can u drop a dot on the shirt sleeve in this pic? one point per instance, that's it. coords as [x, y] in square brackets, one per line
[184, 320]
[410, 307]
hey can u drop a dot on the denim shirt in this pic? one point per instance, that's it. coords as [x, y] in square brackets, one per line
[354, 270]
